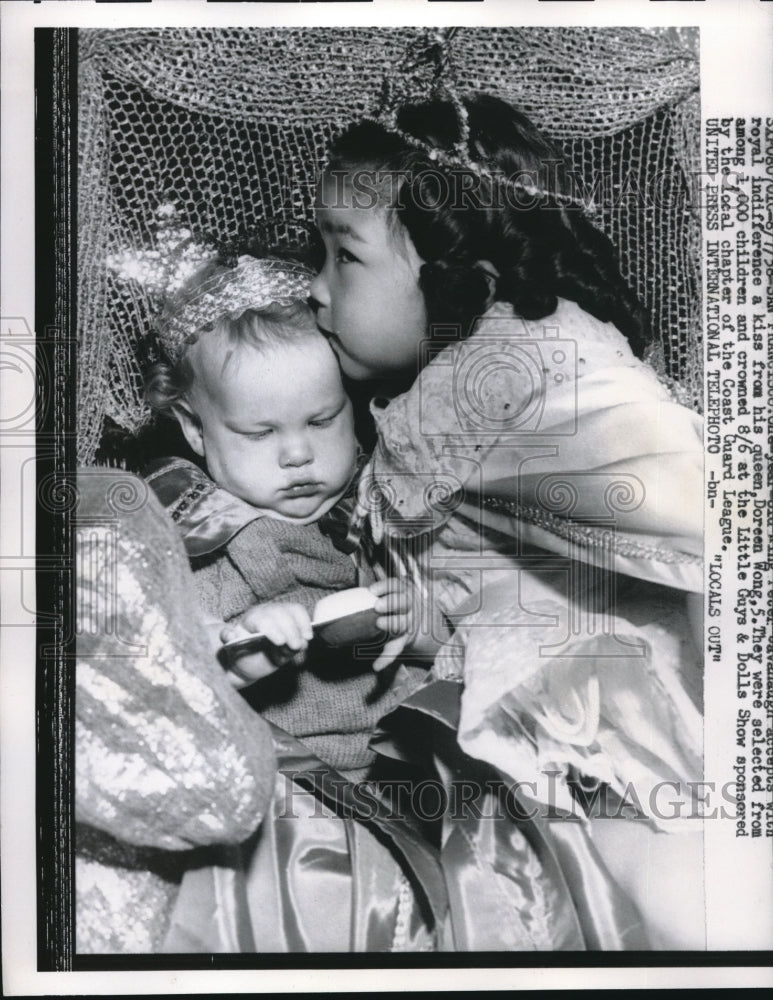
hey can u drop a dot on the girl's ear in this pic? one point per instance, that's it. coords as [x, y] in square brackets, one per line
[492, 276]
[190, 425]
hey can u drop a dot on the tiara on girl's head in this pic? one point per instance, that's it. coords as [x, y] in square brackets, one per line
[254, 283]
[427, 73]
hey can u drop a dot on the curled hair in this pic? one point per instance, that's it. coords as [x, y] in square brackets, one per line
[270, 326]
[456, 217]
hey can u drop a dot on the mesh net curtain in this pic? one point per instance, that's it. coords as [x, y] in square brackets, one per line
[233, 125]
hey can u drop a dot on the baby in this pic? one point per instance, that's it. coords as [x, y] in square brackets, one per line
[258, 394]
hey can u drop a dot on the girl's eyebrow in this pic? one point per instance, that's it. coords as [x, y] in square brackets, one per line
[331, 228]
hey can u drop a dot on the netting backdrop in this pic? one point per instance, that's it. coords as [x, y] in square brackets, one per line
[233, 125]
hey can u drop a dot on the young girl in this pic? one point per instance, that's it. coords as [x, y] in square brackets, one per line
[561, 536]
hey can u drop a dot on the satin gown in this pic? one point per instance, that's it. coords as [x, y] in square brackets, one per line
[543, 487]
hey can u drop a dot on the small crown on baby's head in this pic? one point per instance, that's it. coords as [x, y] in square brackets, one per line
[196, 289]
[228, 292]
[163, 269]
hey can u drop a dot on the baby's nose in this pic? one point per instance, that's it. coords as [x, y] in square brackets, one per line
[296, 451]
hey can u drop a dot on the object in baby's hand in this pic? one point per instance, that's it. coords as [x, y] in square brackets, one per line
[346, 617]
[340, 619]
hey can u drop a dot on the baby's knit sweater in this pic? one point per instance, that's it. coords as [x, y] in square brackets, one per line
[330, 700]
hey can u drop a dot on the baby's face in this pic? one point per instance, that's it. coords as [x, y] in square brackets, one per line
[276, 426]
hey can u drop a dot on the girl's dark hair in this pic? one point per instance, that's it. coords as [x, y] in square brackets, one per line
[542, 249]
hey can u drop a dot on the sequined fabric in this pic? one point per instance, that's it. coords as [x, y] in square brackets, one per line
[168, 758]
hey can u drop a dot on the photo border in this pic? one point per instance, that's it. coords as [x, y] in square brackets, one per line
[56, 251]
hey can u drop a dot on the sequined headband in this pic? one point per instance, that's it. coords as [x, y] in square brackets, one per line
[425, 73]
[174, 262]
[253, 284]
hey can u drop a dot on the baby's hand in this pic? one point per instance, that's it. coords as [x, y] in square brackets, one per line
[287, 627]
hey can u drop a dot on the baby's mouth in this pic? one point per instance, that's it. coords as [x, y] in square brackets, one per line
[304, 489]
